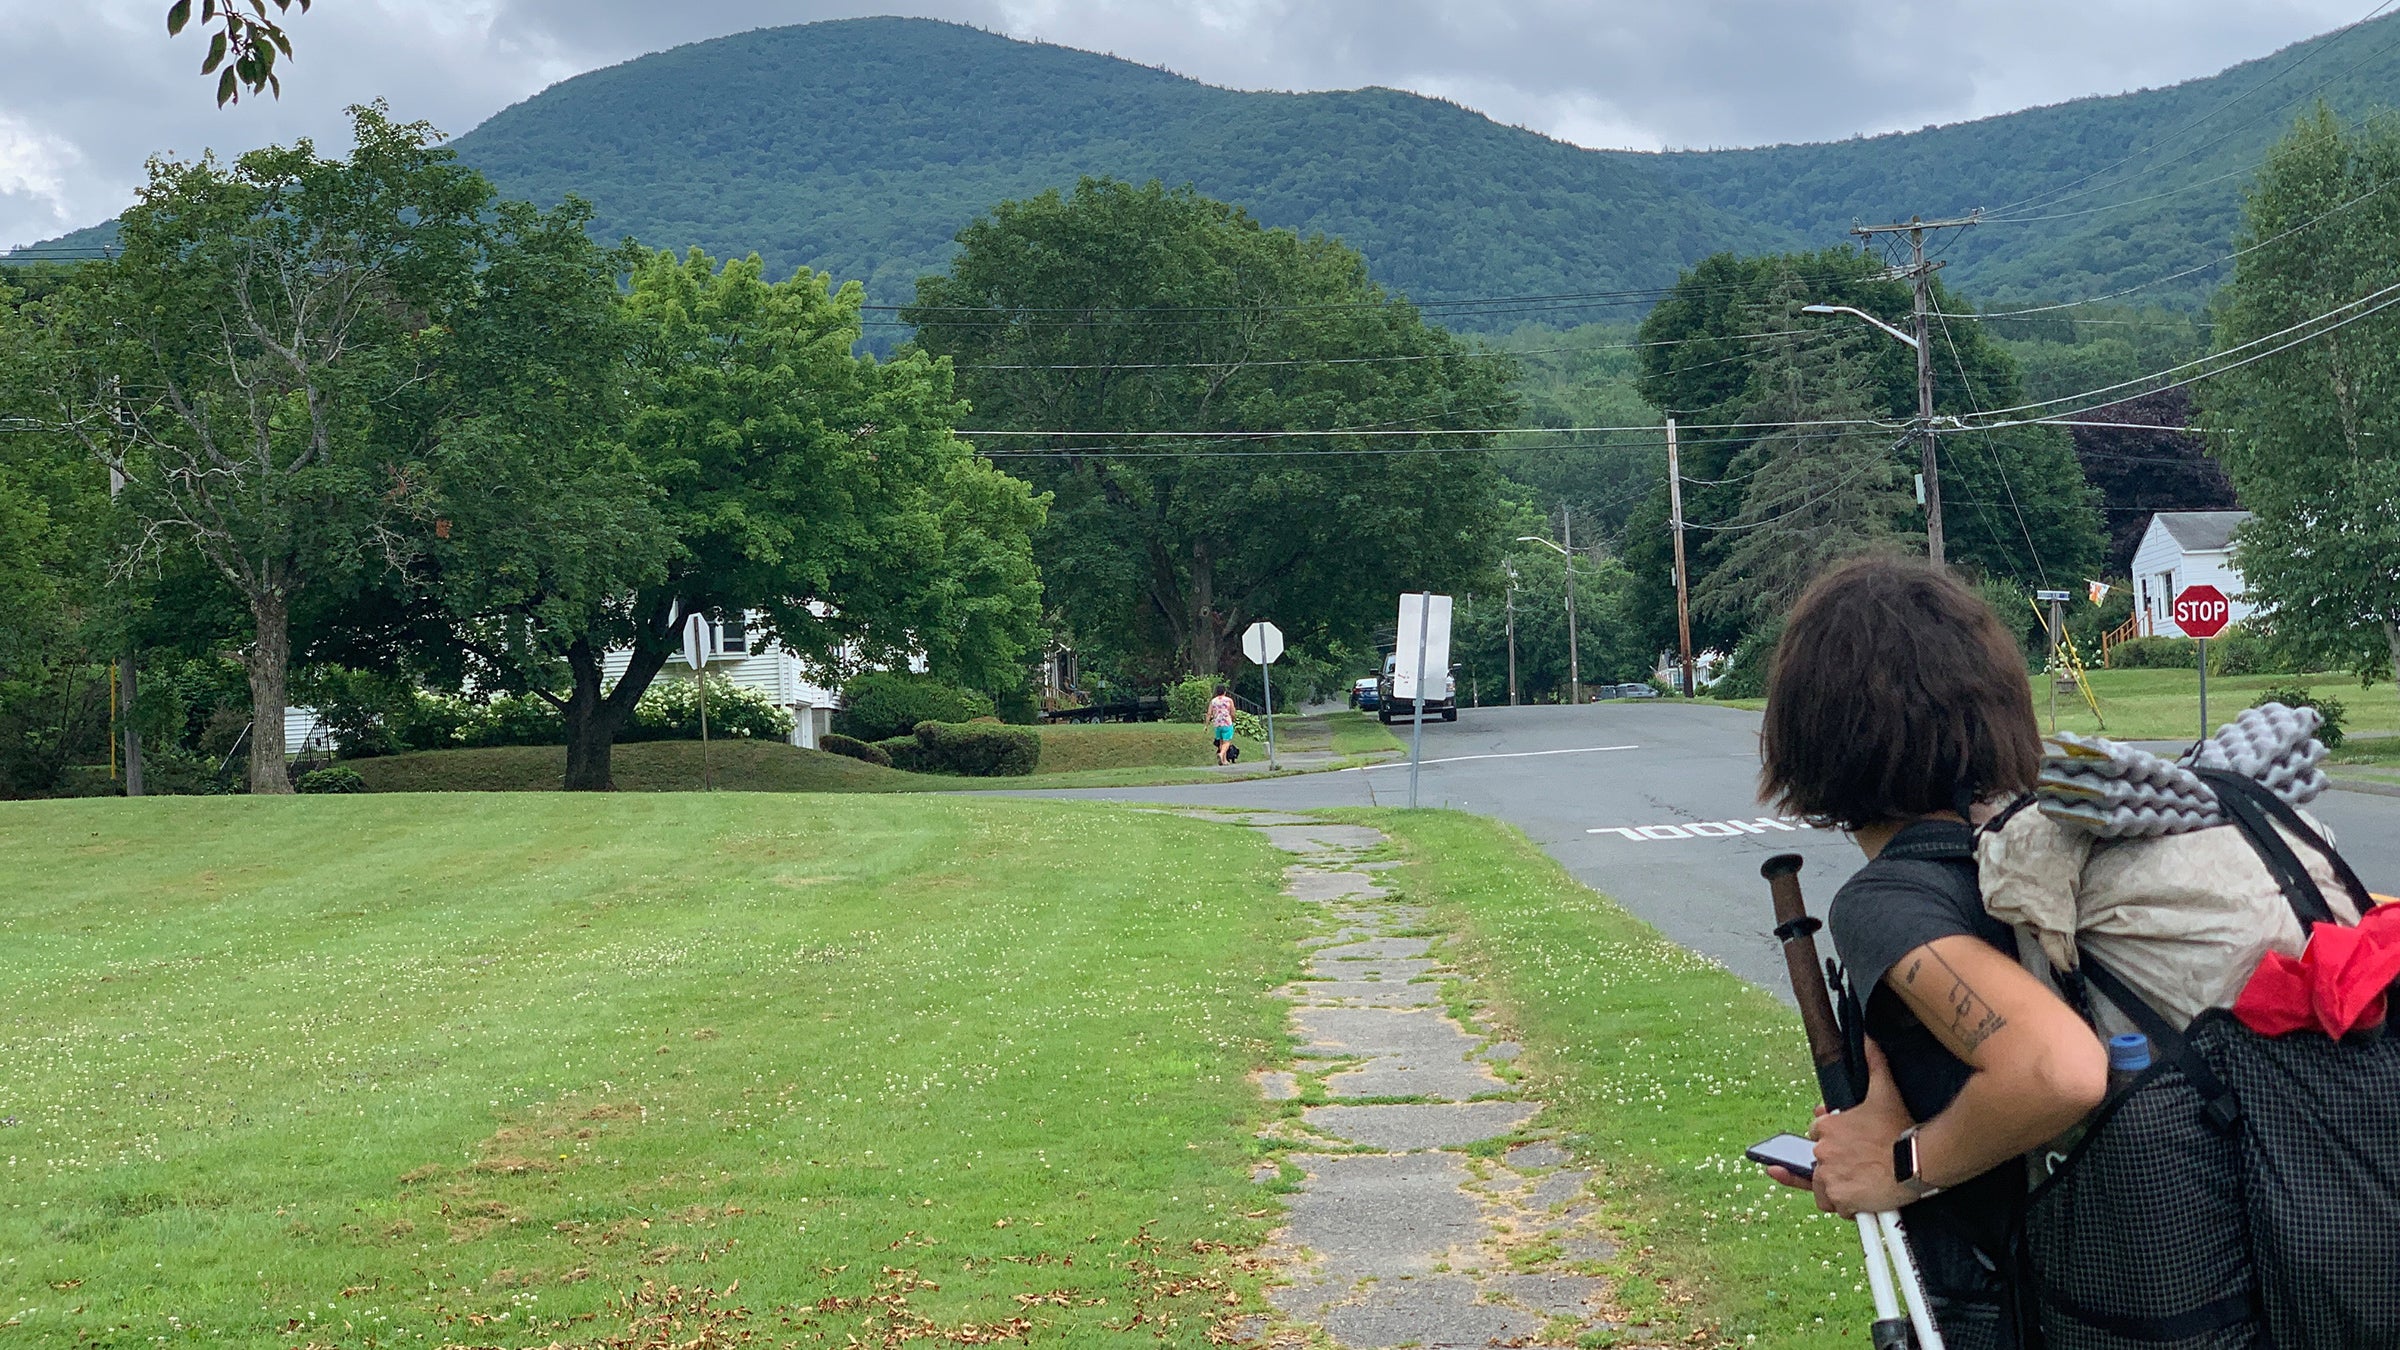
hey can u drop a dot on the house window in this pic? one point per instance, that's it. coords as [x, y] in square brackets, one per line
[733, 637]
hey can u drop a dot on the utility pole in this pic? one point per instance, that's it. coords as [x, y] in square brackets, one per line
[1511, 594]
[1683, 590]
[1920, 273]
[127, 689]
[1566, 516]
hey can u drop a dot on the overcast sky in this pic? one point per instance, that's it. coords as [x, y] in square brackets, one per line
[94, 87]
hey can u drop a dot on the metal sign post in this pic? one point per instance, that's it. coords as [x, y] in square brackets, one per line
[2202, 612]
[1425, 625]
[1263, 642]
[2055, 598]
[695, 654]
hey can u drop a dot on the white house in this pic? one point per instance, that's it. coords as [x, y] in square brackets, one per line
[2184, 548]
[741, 652]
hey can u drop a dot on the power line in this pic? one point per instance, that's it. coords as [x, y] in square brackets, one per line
[2278, 237]
[1144, 452]
[2375, 302]
[1277, 434]
[1477, 352]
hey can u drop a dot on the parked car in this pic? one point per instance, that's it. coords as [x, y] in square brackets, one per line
[1387, 707]
[1365, 696]
[1608, 691]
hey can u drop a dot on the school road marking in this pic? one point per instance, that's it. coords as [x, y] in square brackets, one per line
[1519, 754]
[1705, 829]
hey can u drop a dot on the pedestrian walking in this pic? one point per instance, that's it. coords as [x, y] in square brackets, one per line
[1898, 710]
[1220, 723]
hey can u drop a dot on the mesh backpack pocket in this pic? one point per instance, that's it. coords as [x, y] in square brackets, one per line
[2138, 1242]
[2320, 1175]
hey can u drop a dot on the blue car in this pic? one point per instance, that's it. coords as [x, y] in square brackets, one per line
[1364, 696]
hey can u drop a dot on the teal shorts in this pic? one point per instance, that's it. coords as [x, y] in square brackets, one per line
[1224, 733]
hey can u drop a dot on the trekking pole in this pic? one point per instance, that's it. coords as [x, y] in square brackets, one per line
[1879, 1235]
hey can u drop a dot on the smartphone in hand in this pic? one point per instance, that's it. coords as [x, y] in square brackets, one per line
[1790, 1152]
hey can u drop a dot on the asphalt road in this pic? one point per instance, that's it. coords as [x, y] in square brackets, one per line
[1655, 804]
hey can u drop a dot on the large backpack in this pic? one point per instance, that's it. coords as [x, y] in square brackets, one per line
[2245, 1191]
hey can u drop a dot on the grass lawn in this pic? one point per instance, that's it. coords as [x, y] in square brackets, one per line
[2164, 705]
[382, 1071]
[1663, 1067]
[1358, 733]
[1100, 756]
[1128, 745]
[1106, 755]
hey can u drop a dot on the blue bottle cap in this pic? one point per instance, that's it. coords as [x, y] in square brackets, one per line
[2129, 1053]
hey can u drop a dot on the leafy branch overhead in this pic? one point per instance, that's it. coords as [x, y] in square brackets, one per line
[243, 46]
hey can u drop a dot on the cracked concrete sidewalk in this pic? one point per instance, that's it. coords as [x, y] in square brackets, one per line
[1400, 1235]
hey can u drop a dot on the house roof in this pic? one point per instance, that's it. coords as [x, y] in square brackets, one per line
[2201, 531]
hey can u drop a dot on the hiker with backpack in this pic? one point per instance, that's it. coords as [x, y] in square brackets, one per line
[2238, 1184]
[1897, 705]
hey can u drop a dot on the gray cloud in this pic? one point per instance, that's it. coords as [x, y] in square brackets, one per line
[104, 88]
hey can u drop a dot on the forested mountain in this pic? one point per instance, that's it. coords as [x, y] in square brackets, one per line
[862, 146]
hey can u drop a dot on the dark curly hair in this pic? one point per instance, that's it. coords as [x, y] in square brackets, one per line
[1895, 693]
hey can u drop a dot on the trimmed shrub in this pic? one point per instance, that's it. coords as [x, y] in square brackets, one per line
[1249, 724]
[905, 754]
[2237, 651]
[880, 705]
[338, 778]
[979, 749]
[670, 711]
[511, 719]
[1187, 701]
[835, 743]
[2327, 706]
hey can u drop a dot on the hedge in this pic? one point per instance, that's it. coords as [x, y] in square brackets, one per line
[905, 753]
[838, 744]
[980, 749]
[368, 720]
[338, 778]
[881, 705]
[2236, 652]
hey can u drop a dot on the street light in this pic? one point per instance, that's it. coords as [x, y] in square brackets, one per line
[1574, 664]
[1857, 313]
[1512, 631]
[1933, 475]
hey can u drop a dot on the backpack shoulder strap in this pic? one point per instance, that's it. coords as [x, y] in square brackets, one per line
[1933, 841]
[2257, 811]
[2219, 1106]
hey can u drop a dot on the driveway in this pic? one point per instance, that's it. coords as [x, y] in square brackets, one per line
[1655, 804]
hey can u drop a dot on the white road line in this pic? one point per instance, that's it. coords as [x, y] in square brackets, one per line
[1705, 829]
[1519, 754]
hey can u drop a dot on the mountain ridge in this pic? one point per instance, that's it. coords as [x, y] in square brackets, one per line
[861, 146]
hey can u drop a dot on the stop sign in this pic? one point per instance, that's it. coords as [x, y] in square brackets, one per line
[2201, 611]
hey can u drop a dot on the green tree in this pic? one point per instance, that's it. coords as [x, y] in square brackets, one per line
[2309, 432]
[1810, 494]
[243, 44]
[1119, 309]
[233, 362]
[795, 478]
[539, 515]
[2016, 504]
[1531, 580]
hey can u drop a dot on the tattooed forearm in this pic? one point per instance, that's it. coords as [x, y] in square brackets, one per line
[1972, 1021]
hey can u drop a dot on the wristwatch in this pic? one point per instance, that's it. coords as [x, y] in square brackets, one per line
[1904, 1166]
